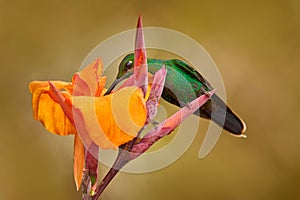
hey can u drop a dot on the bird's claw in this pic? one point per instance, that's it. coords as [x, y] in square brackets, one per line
[187, 105]
[154, 123]
[205, 92]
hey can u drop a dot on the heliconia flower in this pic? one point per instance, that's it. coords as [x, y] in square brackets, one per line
[79, 108]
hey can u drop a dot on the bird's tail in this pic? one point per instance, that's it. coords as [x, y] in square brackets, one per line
[216, 110]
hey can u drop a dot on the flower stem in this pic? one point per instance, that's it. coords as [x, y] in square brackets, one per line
[86, 186]
[121, 160]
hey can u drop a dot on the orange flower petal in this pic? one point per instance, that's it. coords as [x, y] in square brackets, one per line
[88, 82]
[63, 99]
[128, 109]
[112, 120]
[49, 112]
[78, 160]
[34, 85]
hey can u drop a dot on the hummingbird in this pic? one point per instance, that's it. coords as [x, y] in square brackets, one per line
[182, 85]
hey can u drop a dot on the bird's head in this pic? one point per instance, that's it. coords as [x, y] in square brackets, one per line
[126, 65]
[125, 70]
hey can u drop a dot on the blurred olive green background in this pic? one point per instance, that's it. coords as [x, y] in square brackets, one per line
[256, 47]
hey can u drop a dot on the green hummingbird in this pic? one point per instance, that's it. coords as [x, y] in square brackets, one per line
[182, 85]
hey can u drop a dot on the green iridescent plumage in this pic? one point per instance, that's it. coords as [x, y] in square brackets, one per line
[182, 85]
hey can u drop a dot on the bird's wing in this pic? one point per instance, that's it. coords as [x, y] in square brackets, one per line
[190, 70]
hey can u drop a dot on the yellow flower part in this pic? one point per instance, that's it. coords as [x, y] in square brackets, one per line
[49, 112]
[111, 120]
[79, 108]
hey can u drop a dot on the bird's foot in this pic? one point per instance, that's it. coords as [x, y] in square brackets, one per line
[155, 123]
[187, 105]
[205, 92]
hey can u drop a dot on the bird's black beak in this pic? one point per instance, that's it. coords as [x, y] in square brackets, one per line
[116, 82]
[113, 85]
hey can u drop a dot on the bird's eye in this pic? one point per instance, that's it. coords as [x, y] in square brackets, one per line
[128, 65]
